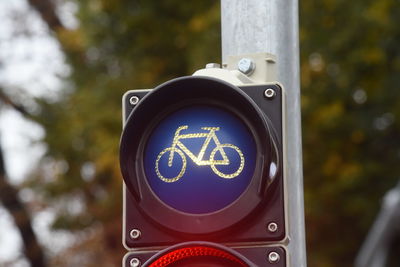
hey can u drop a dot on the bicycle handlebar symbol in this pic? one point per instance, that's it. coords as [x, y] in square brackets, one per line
[180, 149]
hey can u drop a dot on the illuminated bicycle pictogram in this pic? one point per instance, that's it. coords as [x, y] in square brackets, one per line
[180, 149]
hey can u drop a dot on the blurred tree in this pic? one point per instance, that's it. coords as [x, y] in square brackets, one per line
[119, 45]
[350, 62]
[9, 198]
[350, 88]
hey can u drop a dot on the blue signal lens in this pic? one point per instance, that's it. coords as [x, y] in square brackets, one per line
[200, 159]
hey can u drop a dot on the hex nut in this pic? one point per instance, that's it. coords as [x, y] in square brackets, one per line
[246, 66]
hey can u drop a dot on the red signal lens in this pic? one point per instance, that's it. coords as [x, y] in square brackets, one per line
[197, 256]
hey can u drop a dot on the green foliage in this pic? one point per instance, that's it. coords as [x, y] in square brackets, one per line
[119, 45]
[350, 84]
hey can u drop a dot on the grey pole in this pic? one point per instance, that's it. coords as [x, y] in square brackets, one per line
[271, 26]
[374, 251]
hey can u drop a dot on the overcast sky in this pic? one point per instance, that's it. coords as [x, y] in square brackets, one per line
[31, 65]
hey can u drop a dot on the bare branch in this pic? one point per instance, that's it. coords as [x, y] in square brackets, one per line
[21, 109]
[10, 200]
[47, 11]
[8, 193]
[66, 37]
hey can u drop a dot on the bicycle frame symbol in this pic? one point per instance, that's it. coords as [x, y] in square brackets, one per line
[180, 149]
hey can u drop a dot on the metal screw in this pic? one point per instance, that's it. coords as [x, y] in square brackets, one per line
[246, 66]
[213, 66]
[135, 262]
[269, 93]
[135, 234]
[272, 227]
[273, 257]
[134, 100]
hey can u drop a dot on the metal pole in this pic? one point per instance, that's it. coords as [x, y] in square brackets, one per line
[271, 26]
[374, 251]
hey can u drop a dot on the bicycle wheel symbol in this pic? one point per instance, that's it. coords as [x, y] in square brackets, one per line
[171, 164]
[214, 164]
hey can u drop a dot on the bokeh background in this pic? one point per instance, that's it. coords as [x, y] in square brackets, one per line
[64, 65]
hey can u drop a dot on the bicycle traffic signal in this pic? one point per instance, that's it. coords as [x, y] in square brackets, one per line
[203, 167]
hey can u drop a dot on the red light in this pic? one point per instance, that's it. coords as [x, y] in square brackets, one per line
[198, 255]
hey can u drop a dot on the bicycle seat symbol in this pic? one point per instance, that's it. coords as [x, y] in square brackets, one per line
[178, 149]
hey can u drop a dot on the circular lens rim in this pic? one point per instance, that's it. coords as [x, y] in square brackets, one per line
[162, 101]
[232, 255]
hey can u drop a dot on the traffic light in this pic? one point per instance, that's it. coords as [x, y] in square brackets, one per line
[202, 160]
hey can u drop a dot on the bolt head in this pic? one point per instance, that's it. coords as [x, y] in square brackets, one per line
[133, 100]
[269, 93]
[273, 257]
[272, 227]
[135, 262]
[135, 234]
[246, 66]
[213, 66]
